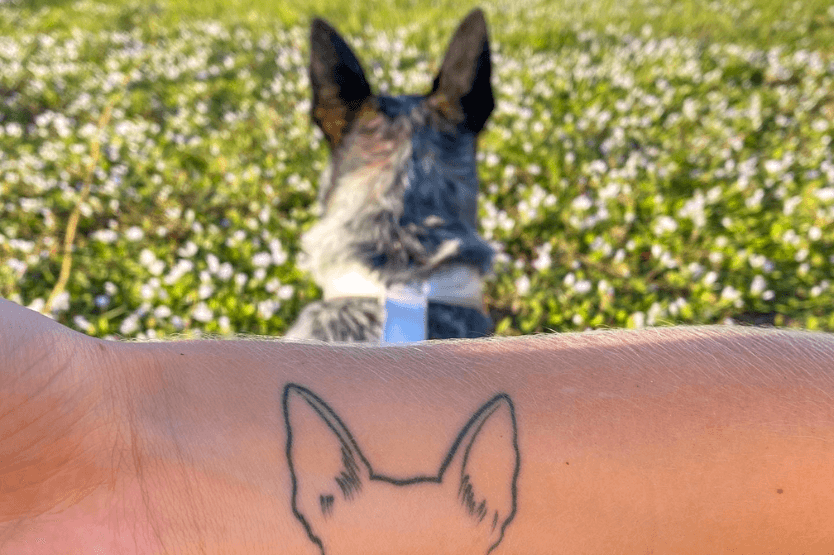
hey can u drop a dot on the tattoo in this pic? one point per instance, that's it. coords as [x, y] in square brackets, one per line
[344, 505]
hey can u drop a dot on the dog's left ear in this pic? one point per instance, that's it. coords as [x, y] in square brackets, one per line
[462, 92]
[339, 86]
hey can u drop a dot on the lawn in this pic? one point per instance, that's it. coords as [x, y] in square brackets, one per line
[648, 163]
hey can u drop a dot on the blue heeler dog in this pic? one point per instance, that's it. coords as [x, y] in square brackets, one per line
[398, 201]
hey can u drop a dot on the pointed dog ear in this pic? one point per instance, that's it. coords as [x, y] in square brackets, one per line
[327, 468]
[462, 92]
[339, 85]
[481, 469]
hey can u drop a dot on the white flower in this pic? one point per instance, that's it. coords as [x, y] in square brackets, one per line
[267, 308]
[598, 166]
[213, 263]
[677, 305]
[825, 194]
[83, 324]
[582, 202]
[181, 268]
[790, 205]
[146, 257]
[17, 266]
[225, 271]
[286, 292]
[773, 166]
[279, 255]
[37, 305]
[105, 236]
[790, 237]
[272, 285]
[729, 293]
[202, 313]
[129, 325]
[695, 269]
[665, 224]
[162, 312]
[147, 291]
[134, 233]
[756, 260]
[188, 250]
[637, 320]
[522, 285]
[61, 302]
[262, 259]
[582, 286]
[655, 311]
[224, 323]
[543, 260]
[758, 285]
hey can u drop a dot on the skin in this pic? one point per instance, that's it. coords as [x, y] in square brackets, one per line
[698, 440]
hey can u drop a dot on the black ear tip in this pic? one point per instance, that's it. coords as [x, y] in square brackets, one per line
[320, 27]
[476, 15]
[475, 20]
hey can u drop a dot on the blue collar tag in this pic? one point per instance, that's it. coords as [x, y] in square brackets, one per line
[406, 313]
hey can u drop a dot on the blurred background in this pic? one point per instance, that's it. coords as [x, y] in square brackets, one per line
[648, 163]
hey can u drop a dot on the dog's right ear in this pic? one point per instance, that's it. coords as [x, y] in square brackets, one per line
[339, 85]
[481, 470]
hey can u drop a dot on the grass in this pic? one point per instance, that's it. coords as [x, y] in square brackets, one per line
[806, 24]
[648, 163]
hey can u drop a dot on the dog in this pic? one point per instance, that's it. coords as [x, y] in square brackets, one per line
[398, 201]
[345, 507]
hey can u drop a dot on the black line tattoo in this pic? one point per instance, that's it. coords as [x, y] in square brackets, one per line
[334, 486]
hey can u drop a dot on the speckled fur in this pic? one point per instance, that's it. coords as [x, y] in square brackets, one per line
[399, 195]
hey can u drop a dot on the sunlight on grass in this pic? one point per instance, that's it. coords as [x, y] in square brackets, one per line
[647, 163]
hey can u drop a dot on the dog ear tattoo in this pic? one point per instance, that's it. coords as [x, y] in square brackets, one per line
[347, 508]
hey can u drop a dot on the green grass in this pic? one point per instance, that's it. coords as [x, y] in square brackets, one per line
[648, 163]
[763, 23]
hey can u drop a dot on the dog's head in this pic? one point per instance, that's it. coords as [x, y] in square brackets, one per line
[401, 189]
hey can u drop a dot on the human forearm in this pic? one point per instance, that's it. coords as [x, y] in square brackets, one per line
[684, 441]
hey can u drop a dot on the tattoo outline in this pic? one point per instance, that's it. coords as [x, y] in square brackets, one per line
[485, 447]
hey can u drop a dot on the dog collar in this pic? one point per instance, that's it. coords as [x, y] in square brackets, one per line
[452, 284]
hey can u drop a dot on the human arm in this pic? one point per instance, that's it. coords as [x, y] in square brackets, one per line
[682, 441]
